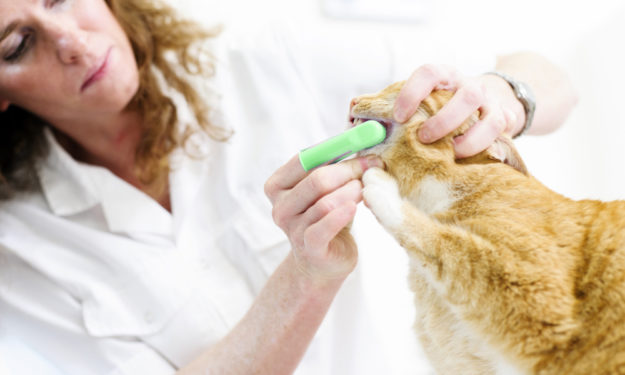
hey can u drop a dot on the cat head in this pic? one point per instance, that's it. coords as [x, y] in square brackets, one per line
[402, 151]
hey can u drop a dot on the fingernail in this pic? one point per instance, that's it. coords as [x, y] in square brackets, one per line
[424, 135]
[399, 114]
[457, 142]
[375, 161]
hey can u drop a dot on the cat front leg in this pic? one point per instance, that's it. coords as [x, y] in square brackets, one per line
[449, 254]
[398, 216]
[457, 263]
[473, 275]
[452, 348]
[381, 195]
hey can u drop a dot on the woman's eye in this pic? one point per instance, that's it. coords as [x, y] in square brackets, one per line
[20, 50]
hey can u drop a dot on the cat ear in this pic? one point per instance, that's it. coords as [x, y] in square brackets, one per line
[503, 150]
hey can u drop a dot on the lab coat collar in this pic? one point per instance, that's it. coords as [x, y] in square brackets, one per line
[66, 188]
[126, 207]
[71, 187]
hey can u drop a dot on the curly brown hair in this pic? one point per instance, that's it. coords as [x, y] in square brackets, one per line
[155, 32]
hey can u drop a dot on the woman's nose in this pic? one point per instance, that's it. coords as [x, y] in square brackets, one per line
[70, 42]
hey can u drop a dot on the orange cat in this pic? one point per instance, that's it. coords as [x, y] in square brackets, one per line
[509, 276]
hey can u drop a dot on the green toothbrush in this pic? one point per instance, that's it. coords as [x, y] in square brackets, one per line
[360, 137]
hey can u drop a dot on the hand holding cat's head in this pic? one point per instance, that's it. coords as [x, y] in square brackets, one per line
[402, 148]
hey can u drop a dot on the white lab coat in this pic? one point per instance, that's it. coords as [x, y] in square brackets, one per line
[97, 278]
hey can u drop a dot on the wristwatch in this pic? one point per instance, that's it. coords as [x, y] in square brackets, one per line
[525, 95]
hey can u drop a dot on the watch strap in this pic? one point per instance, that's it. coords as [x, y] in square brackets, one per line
[525, 95]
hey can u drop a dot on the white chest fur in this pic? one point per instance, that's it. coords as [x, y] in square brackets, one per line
[433, 196]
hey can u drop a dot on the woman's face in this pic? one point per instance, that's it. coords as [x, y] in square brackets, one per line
[64, 59]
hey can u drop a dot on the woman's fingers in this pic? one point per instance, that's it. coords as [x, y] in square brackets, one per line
[318, 183]
[470, 95]
[467, 99]
[284, 178]
[350, 192]
[320, 234]
[327, 250]
[420, 84]
[482, 134]
[312, 209]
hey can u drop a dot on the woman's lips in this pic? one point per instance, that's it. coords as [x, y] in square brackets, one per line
[97, 72]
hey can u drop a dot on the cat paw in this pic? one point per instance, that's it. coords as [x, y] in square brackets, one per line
[381, 195]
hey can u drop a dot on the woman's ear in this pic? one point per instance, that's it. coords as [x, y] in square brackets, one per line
[4, 105]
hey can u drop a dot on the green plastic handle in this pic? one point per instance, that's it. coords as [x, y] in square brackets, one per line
[365, 135]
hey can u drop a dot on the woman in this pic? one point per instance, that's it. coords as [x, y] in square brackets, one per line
[133, 238]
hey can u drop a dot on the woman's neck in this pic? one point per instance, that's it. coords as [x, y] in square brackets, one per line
[112, 144]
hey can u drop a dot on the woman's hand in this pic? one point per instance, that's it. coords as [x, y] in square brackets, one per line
[500, 111]
[314, 208]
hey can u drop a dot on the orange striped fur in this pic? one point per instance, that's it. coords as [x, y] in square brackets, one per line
[508, 276]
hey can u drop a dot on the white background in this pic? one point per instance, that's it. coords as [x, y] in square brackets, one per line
[581, 160]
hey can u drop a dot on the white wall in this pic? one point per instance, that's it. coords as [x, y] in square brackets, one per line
[585, 38]
[582, 159]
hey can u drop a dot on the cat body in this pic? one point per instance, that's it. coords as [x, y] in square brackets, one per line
[509, 277]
